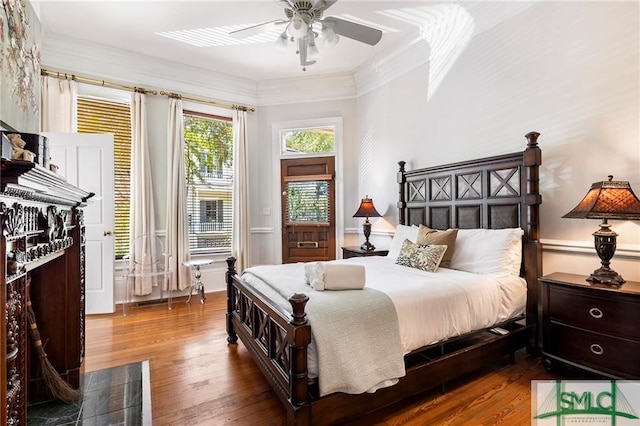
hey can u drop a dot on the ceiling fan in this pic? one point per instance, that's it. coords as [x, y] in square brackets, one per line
[304, 24]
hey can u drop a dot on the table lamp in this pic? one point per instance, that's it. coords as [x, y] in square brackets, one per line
[607, 200]
[367, 210]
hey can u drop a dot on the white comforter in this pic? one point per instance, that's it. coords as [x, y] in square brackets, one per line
[432, 306]
[435, 306]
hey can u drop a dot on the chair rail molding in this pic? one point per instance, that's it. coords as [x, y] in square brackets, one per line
[586, 247]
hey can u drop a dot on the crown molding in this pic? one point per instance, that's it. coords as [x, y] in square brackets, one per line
[65, 54]
[306, 89]
[60, 53]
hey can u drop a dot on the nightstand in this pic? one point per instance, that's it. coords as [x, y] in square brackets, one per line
[591, 326]
[348, 252]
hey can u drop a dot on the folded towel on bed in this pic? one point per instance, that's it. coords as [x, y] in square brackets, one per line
[330, 276]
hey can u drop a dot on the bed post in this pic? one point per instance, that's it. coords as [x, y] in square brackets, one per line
[301, 410]
[232, 337]
[402, 204]
[533, 252]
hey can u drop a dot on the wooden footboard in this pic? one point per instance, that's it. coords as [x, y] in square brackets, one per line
[277, 339]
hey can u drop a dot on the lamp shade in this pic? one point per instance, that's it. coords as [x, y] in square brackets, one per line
[608, 200]
[329, 37]
[366, 209]
[298, 26]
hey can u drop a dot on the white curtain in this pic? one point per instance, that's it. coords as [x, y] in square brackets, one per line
[241, 248]
[142, 207]
[177, 219]
[58, 112]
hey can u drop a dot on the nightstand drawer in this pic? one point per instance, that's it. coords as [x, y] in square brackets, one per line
[595, 350]
[619, 317]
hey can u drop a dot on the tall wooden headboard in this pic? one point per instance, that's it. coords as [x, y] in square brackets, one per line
[493, 192]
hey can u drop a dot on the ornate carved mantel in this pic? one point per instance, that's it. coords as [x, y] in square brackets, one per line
[41, 252]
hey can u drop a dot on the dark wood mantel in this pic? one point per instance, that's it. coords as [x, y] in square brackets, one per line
[41, 252]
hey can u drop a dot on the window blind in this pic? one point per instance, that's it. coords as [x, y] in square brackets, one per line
[102, 116]
[307, 201]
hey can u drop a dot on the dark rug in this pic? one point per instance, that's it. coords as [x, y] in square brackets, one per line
[113, 396]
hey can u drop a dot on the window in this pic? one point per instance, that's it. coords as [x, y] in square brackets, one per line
[307, 201]
[103, 116]
[209, 173]
[212, 211]
[317, 140]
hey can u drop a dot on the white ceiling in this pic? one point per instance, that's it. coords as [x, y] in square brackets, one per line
[135, 26]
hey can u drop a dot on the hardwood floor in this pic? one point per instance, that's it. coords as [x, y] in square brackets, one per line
[197, 379]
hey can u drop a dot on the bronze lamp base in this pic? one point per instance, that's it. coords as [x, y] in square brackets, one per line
[605, 243]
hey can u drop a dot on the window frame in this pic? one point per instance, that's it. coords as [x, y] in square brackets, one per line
[208, 111]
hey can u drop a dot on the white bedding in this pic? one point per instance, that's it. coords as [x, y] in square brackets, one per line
[432, 306]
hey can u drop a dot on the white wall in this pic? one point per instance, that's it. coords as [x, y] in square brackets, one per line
[567, 70]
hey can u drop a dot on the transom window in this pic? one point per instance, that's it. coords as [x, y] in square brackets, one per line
[313, 140]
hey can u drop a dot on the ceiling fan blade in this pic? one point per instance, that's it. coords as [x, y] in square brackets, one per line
[285, 3]
[255, 29]
[359, 32]
[322, 4]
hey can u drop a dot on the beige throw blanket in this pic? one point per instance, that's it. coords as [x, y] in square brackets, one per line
[356, 332]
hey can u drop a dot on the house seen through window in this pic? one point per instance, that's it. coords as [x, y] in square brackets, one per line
[209, 173]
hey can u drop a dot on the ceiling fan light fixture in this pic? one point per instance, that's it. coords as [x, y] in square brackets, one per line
[298, 26]
[329, 37]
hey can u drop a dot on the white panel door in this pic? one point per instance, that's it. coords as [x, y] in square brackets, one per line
[86, 160]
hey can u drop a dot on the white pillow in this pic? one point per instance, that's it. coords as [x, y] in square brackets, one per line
[488, 251]
[402, 232]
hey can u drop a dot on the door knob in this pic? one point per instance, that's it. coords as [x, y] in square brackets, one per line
[106, 233]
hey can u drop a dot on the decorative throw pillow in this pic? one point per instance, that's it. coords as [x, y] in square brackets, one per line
[424, 257]
[447, 238]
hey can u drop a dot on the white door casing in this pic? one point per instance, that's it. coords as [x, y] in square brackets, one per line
[86, 161]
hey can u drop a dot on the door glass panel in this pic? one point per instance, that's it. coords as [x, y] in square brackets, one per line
[307, 202]
[320, 140]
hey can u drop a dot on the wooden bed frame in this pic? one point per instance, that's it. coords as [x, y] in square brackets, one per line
[495, 192]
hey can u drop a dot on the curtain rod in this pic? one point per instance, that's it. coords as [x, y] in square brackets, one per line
[206, 101]
[81, 79]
